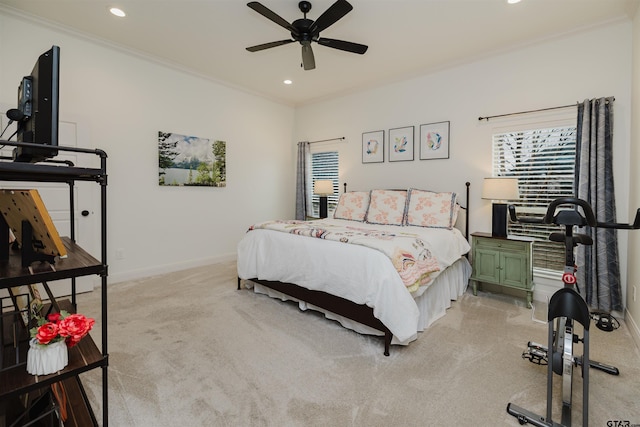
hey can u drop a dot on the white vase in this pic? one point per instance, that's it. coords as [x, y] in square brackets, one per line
[46, 359]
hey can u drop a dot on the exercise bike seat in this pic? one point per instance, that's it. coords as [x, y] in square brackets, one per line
[566, 302]
[569, 217]
[576, 239]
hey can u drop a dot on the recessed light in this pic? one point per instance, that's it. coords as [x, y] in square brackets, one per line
[513, 1]
[117, 12]
[288, 82]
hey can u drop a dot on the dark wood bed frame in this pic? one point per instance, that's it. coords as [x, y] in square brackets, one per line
[357, 312]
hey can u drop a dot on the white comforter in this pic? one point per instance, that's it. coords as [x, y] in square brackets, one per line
[356, 273]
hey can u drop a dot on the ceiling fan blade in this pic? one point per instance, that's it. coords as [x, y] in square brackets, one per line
[344, 45]
[308, 60]
[264, 46]
[330, 16]
[271, 15]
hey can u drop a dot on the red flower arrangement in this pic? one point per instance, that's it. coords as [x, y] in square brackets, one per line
[62, 326]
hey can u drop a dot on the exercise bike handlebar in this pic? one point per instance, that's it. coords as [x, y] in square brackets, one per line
[589, 218]
[549, 216]
[622, 226]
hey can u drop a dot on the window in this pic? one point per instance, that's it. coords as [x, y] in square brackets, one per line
[324, 165]
[543, 160]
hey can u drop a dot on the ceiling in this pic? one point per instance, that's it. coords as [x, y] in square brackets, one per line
[406, 38]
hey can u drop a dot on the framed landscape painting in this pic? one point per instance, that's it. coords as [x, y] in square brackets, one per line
[373, 147]
[191, 161]
[434, 141]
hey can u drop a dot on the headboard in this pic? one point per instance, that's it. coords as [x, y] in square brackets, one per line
[462, 221]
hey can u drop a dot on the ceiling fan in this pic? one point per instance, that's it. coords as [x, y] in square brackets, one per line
[306, 31]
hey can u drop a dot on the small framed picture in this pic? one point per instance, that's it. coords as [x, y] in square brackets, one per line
[401, 144]
[373, 147]
[434, 141]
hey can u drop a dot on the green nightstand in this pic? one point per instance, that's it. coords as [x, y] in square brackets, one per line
[502, 261]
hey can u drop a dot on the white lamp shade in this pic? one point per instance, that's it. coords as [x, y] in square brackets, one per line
[323, 187]
[500, 189]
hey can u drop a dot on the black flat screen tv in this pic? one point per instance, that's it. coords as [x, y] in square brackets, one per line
[38, 101]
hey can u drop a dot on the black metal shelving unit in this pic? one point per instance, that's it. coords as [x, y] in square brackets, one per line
[15, 381]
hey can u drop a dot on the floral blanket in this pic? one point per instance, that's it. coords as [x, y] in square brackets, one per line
[408, 252]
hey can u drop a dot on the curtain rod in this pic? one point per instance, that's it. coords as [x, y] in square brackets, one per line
[541, 109]
[330, 139]
[525, 112]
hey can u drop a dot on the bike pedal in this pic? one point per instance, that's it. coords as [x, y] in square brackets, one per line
[535, 356]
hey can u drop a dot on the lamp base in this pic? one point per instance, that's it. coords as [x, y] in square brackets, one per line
[499, 220]
[324, 211]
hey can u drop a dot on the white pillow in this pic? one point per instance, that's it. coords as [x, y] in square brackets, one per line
[431, 209]
[387, 207]
[352, 206]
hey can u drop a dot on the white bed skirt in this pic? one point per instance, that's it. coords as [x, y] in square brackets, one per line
[433, 303]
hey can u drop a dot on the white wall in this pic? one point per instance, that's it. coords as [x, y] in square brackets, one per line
[633, 306]
[554, 73]
[123, 101]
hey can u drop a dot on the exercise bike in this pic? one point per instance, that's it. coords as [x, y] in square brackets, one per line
[566, 308]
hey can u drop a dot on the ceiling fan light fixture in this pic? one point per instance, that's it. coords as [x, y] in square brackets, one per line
[117, 12]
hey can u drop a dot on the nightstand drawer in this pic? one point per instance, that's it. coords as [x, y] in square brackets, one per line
[502, 244]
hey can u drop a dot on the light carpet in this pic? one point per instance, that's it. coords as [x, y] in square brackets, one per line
[189, 349]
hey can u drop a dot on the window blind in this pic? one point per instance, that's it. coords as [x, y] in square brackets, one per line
[543, 160]
[324, 165]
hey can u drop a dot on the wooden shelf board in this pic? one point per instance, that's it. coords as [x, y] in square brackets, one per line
[79, 413]
[77, 263]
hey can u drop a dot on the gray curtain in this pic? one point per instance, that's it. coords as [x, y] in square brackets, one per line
[301, 180]
[598, 265]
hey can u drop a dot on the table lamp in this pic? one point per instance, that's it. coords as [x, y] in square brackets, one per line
[323, 188]
[500, 190]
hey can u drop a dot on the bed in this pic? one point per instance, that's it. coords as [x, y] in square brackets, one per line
[389, 262]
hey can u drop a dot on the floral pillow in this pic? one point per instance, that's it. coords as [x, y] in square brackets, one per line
[387, 207]
[352, 206]
[431, 209]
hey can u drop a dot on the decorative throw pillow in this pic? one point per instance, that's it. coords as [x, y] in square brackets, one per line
[431, 209]
[352, 206]
[387, 207]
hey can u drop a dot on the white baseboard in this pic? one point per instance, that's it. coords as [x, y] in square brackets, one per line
[633, 327]
[168, 268]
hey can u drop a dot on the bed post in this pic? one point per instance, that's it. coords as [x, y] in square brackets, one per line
[388, 336]
[466, 225]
